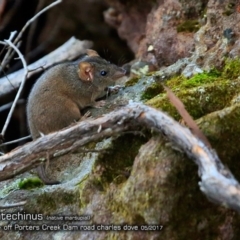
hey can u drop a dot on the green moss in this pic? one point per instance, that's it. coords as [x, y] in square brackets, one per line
[195, 81]
[117, 162]
[90, 146]
[85, 192]
[231, 69]
[132, 81]
[162, 102]
[68, 198]
[223, 132]
[152, 91]
[188, 26]
[201, 78]
[199, 100]
[8, 188]
[201, 216]
[184, 88]
[29, 183]
[47, 202]
[224, 135]
[130, 198]
[175, 82]
[204, 92]
[112, 167]
[137, 200]
[156, 89]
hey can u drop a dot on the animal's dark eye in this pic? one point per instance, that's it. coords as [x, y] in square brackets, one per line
[103, 73]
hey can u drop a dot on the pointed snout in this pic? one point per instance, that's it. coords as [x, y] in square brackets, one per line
[119, 73]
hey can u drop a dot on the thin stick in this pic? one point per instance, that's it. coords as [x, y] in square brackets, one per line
[26, 26]
[18, 45]
[19, 204]
[8, 105]
[20, 88]
[178, 104]
[6, 57]
[15, 141]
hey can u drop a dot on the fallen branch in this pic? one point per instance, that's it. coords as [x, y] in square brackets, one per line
[68, 51]
[217, 182]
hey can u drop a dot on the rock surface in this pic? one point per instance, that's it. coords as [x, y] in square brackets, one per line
[144, 180]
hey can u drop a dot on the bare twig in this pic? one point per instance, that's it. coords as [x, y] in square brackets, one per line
[12, 205]
[178, 104]
[8, 105]
[4, 62]
[20, 88]
[18, 45]
[217, 182]
[6, 58]
[15, 141]
[3, 43]
[12, 34]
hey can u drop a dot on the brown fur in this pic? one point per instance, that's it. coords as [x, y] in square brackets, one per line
[59, 94]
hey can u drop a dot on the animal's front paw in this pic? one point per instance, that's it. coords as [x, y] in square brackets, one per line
[114, 89]
[99, 104]
[86, 116]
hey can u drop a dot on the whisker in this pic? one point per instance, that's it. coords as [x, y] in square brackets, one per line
[122, 60]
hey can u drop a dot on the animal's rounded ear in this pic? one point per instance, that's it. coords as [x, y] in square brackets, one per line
[86, 71]
[92, 53]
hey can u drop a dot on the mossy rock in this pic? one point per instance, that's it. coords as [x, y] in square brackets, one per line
[132, 81]
[30, 183]
[203, 93]
[188, 26]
